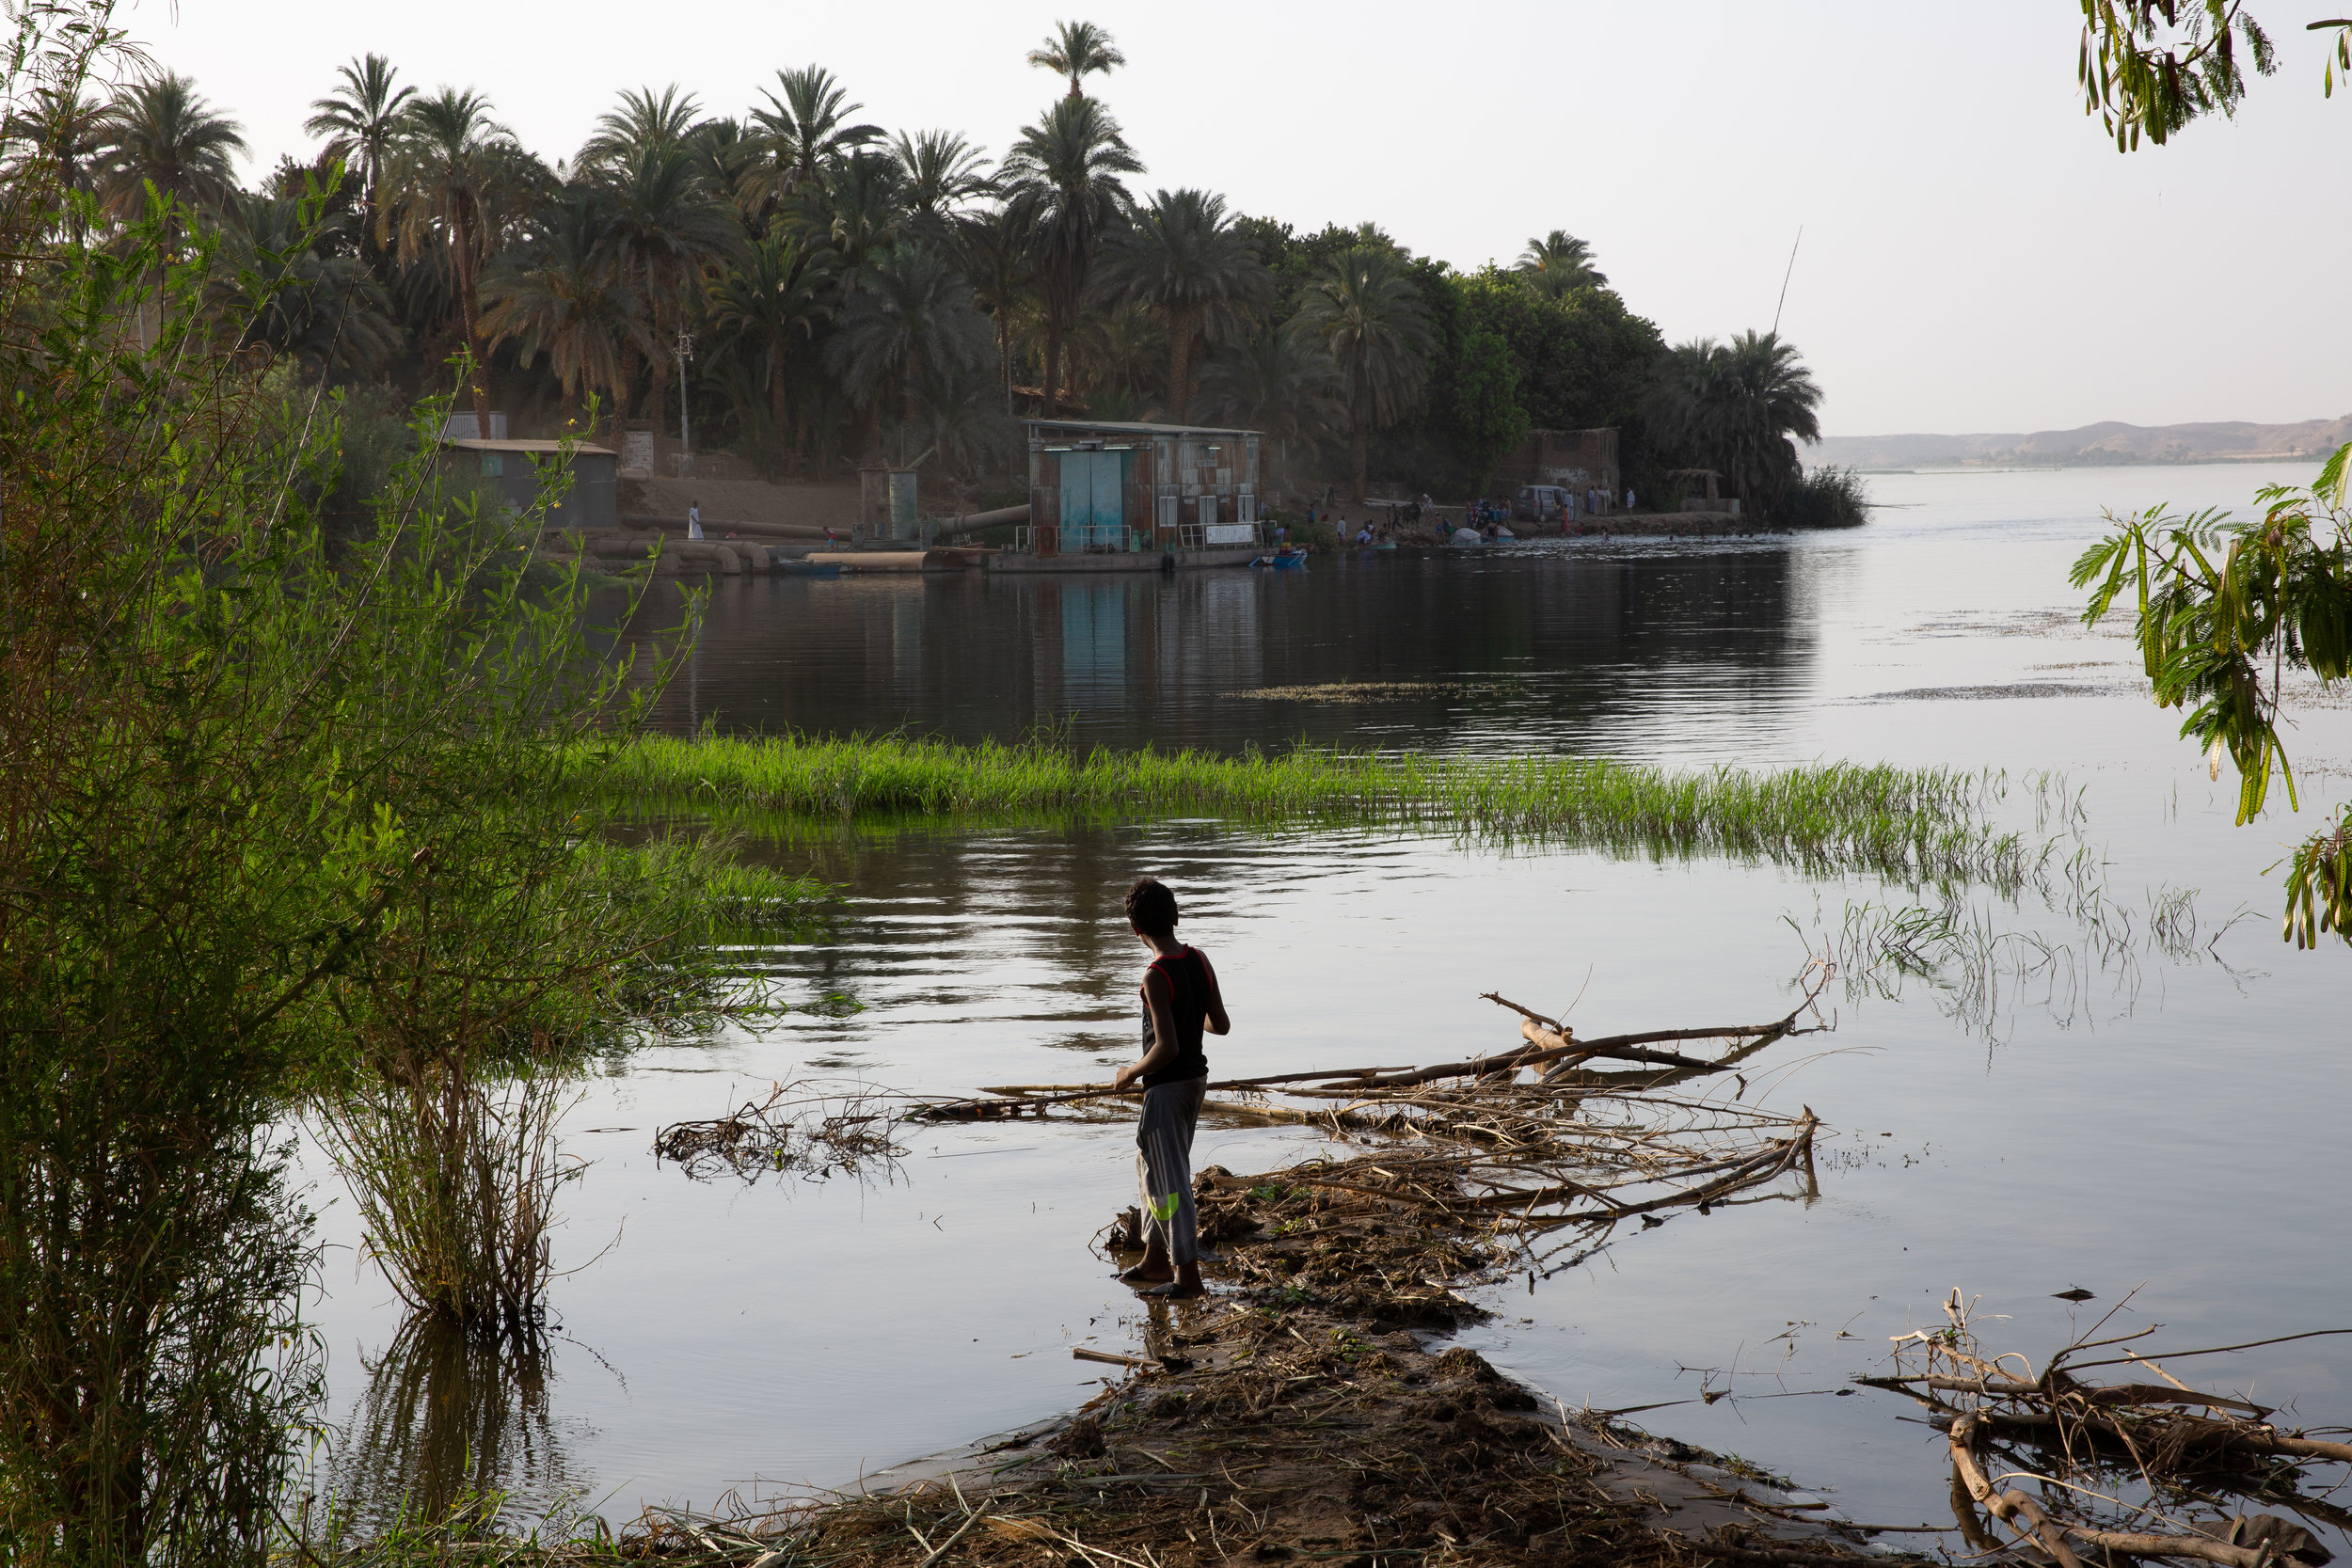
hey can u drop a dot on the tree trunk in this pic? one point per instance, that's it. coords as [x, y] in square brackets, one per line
[779, 408]
[470, 312]
[1180, 333]
[656, 404]
[1003, 353]
[1359, 428]
[1053, 365]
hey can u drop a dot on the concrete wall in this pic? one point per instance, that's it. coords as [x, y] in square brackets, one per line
[1572, 459]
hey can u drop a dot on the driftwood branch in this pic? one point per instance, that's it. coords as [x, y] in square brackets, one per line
[2010, 1506]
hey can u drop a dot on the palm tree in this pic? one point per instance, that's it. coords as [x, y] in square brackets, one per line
[1559, 264]
[664, 231]
[773, 298]
[1736, 406]
[1276, 381]
[1063, 176]
[60, 128]
[941, 172]
[1077, 50]
[568, 302]
[1181, 255]
[161, 133]
[1114, 357]
[1367, 315]
[361, 121]
[859, 207]
[912, 320]
[453, 167]
[643, 124]
[728, 157]
[286, 292]
[804, 128]
[960, 422]
[994, 252]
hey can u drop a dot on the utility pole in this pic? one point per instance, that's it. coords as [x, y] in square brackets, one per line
[685, 425]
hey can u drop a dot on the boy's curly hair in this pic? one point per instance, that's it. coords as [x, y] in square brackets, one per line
[1151, 907]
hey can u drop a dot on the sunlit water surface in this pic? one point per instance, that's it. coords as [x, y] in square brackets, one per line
[2164, 1124]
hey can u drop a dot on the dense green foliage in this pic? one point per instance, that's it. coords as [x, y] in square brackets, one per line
[1825, 498]
[1741, 406]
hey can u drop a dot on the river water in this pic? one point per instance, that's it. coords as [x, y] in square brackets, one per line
[2162, 1122]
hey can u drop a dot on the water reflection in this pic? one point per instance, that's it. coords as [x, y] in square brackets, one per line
[449, 1418]
[1507, 650]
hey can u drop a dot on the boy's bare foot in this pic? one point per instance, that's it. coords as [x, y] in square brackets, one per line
[1184, 1287]
[1156, 1268]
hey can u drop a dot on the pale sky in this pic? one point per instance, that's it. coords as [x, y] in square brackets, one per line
[1976, 256]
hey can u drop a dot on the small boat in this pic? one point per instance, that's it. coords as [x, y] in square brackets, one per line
[1287, 559]
[1385, 545]
[792, 567]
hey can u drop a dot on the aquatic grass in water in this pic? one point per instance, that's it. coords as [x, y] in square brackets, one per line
[1913, 824]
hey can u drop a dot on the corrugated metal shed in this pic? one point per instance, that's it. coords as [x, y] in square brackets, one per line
[1124, 486]
[516, 466]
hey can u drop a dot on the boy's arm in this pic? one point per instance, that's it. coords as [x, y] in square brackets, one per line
[1217, 1022]
[1157, 995]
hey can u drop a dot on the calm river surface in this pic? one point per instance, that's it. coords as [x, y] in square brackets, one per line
[2169, 1124]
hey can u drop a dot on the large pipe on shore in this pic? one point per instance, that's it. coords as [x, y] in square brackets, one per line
[972, 521]
[714, 528]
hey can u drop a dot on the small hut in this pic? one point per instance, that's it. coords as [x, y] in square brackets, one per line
[1146, 492]
[522, 471]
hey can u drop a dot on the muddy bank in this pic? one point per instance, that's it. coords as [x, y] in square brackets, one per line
[1305, 1410]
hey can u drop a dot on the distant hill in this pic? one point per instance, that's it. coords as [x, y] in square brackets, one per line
[2110, 442]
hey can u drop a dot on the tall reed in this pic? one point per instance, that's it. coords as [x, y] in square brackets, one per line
[1911, 823]
[455, 1175]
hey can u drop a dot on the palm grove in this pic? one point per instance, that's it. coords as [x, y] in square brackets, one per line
[847, 293]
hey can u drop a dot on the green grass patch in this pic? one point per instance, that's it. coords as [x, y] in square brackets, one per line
[1913, 824]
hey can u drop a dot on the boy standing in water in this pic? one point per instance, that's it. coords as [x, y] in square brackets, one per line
[1181, 1001]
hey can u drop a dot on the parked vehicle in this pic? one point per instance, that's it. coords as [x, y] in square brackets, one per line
[1539, 503]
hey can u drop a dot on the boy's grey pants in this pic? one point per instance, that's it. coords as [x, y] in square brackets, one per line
[1163, 1167]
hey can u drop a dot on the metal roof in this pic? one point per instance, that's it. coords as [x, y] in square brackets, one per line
[551, 447]
[1124, 428]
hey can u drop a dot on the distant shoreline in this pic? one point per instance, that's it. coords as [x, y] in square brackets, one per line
[2110, 444]
[1994, 467]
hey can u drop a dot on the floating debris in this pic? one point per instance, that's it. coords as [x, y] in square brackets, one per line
[2087, 1446]
[810, 1128]
[1355, 691]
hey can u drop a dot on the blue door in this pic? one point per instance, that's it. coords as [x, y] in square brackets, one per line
[1090, 495]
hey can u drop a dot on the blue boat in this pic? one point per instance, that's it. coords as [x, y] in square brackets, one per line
[791, 567]
[1288, 559]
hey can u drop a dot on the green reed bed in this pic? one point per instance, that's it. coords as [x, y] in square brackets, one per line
[1912, 823]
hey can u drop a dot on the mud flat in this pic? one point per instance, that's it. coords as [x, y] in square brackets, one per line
[1303, 1410]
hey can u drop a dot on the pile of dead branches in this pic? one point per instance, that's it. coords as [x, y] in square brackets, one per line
[1533, 1149]
[813, 1129]
[2085, 1446]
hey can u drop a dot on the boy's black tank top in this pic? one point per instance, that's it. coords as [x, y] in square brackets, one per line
[1187, 975]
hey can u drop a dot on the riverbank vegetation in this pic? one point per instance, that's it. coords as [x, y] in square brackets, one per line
[808, 291]
[282, 829]
[1911, 824]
